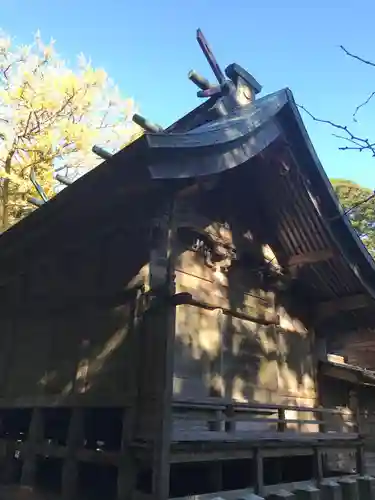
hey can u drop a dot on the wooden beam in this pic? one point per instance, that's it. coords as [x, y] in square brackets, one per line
[348, 303]
[310, 257]
[339, 373]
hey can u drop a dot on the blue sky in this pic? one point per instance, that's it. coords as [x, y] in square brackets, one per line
[148, 47]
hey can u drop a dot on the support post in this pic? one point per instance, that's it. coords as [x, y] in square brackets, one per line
[30, 456]
[162, 277]
[127, 464]
[322, 421]
[259, 472]
[230, 424]
[281, 424]
[70, 466]
[360, 460]
[216, 475]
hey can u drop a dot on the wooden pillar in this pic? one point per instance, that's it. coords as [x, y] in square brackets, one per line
[8, 466]
[321, 416]
[162, 278]
[354, 407]
[281, 424]
[216, 475]
[126, 468]
[70, 466]
[35, 436]
[259, 472]
[162, 440]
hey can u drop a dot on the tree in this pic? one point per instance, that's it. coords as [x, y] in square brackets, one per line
[50, 117]
[359, 204]
[352, 140]
[357, 201]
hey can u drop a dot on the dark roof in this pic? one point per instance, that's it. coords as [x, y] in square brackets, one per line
[300, 206]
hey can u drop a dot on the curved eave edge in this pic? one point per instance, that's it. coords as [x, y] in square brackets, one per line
[236, 138]
[219, 145]
[335, 221]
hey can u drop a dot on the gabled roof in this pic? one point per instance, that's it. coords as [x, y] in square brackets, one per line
[267, 144]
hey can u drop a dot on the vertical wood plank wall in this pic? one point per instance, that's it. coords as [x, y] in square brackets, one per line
[69, 351]
[228, 349]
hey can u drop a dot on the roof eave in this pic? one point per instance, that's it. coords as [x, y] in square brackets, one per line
[335, 221]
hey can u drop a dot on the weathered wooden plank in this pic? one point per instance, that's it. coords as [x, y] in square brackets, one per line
[234, 299]
[350, 303]
[216, 354]
[310, 257]
[25, 372]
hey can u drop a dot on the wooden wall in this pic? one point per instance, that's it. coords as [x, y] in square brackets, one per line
[238, 340]
[66, 322]
[358, 347]
[86, 326]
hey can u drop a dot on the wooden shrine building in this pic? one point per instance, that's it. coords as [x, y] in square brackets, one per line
[165, 319]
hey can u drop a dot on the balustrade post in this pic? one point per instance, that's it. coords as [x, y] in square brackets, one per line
[230, 424]
[322, 421]
[216, 423]
[281, 424]
[360, 459]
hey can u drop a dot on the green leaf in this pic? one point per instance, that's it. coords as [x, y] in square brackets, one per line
[362, 217]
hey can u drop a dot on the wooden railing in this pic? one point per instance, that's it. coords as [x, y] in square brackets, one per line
[200, 418]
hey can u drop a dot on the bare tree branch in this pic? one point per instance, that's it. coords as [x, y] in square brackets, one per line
[358, 58]
[359, 144]
[362, 105]
[368, 63]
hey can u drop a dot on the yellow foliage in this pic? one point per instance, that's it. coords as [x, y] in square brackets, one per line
[51, 116]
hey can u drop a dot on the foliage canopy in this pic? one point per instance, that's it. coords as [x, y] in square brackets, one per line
[362, 216]
[50, 117]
